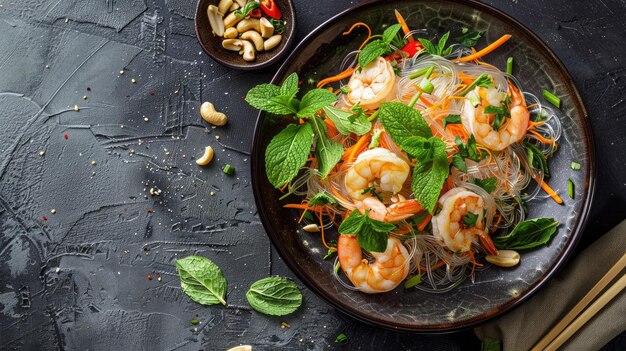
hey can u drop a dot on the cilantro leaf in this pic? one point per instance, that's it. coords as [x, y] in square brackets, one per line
[264, 97]
[290, 85]
[469, 38]
[459, 163]
[314, 100]
[469, 220]
[322, 198]
[327, 151]
[428, 177]
[371, 234]
[402, 122]
[489, 184]
[451, 119]
[439, 49]
[341, 120]
[371, 51]
[536, 158]
[287, 153]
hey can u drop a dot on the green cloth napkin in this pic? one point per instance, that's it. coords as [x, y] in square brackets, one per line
[522, 328]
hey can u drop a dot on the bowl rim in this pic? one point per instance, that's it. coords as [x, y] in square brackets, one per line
[290, 37]
[577, 227]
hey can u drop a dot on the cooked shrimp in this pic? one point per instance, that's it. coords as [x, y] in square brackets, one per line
[479, 123]
[449, 226]
[378, 163]
[375, 83]
[398, 211]
[387, 271]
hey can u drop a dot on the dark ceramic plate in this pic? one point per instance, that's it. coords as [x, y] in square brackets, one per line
[495, 290]
[212, 45]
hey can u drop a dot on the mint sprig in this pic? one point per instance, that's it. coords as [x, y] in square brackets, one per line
[287, 153]
[371, 234]
[379, 47]
[327, 151]
[348, 122]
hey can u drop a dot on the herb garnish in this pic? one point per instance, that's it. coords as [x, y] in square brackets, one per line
[484, 80]
[439, 49]
[469, 220]
[413, 281]
[528, 234]
[489, 184]
[468, 38]
[341, 339]
[536, 158]
[372, 234]
[466, 150]
[246, 9]
[279, 25]
[378, 47]
[451, 119]
[322, 198]
[347, 122]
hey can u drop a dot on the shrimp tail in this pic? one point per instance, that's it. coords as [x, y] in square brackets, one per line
[487, 244]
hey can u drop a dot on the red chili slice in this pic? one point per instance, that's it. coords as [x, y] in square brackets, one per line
[270, 9]
[412, 48]
[256, 13]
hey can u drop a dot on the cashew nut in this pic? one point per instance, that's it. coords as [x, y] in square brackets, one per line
[215, 19]
[241, 348]
[505, 258]
[272, 42]
[231, 20]
[232, 44]
[206, 158]
[311, 228]
[254, 37]
[209, 114]
[234, 7]
[267, 29]
[224, 5]
[248, 51]
[241, 3]
[249, 23]
[231, 33]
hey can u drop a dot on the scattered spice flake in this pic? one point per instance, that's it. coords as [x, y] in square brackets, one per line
[152, 93]
[93, 162]
[134, 81]
[285, 325]
[44, 218]
[158, 277]
[121, 72]
[66, 136]
[42, 153]
[132, 151]
[53, 211]
[88, 88]
[47, 66]
[85, 97]
[76, 108]
[145, 119]
[149, 210]
[149, 277]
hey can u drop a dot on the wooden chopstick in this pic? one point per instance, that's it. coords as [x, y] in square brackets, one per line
[565, 322]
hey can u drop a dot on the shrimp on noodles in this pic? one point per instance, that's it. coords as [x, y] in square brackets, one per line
[375, 83]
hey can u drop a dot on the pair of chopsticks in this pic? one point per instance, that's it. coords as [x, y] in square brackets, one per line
[578, 316]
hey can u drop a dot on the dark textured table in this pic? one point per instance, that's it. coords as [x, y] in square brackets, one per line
[80, 232]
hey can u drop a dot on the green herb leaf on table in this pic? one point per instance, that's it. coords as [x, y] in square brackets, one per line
[202, 280]
[314, 100]
[528, 234]
[451, 119]
[428, 177]
[371, 234]
[275, 296]
[469, 38]
[287, 153]
[322, 199]
[341, 120]
[341, 339]
[402, 122]
[489, 184]
[327, 151]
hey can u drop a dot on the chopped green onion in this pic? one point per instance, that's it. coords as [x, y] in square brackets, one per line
[345, 89]
[427, 86]
[575, 166]
[570, 188]
[375, 138]
[195, 322]
[482, 80]
[413, 281]
[473, 98]
[509, 65]
[420, 72]
[553, 99]
[341, 339]
[414, 99]
[373, 116]
[228, 169]
[427, 74]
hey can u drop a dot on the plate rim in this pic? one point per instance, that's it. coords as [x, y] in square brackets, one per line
[578, 226]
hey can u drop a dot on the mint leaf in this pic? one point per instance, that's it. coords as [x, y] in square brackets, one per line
[341, 120]
[314, 100]
[322, 199]
[468, 38]
[287, 153]
[428, 177]
[418, 147]
[451, 119]
[274, 296]
[390, 33]
[371, 51]
[371, 234]
[260, 97]
[428, 46]
[327, 151]
[290, 85]
[528, 234]
[202, 280]
[402, 122]
[442, 43]
[489, 184]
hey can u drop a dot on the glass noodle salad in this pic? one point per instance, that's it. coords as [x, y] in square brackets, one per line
[422, 155]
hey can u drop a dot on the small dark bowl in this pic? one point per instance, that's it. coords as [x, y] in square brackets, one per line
[212, 45]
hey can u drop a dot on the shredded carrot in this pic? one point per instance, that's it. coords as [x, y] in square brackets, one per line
[424, 222]
[405, 27]
[541, 137]
[358, 147]
[433, 267]
[322, 230]
[345, 74]
[491, 47]
[332, 130]
[548, 190]
[466, 79]
[425, 101]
